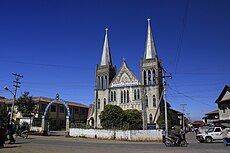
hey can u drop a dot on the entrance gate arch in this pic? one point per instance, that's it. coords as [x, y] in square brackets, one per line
[44, 126]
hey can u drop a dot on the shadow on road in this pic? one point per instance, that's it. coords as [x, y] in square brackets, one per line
[10, 147]
[29, 138]
[213, 142]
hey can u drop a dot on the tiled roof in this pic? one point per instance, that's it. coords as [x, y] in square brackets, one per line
[44, 99]
[6, 100]
[198, 122]
[47, 100]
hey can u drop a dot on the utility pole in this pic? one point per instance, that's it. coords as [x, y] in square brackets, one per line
[165, 101]
[188, 116]
[183, 110]
[16, 86]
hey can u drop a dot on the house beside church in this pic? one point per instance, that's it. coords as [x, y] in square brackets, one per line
[223, 102]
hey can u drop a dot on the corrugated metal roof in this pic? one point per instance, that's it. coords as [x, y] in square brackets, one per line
[219, 99]
[213, 112]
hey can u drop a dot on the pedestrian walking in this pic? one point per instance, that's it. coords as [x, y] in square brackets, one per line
[163, 135]
[11, 131]
[224, 134]
[2, 136]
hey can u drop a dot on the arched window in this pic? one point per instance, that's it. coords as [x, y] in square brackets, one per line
[101, 87]
[127, 96]
[138, 93]
[145, 78]
[114, 94]
[154, 101]
[150, 118]
[146, 101]
[135, 94]
[98, 82]
[105, 82]
[98, 104]
[111, 94]
[104, 102]
[153, 76]
[149, 77]
[121, 96]
[124, 96]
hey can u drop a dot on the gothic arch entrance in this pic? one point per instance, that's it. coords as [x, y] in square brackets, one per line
[44, 123]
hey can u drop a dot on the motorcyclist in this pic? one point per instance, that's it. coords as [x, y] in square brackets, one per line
[176, 135]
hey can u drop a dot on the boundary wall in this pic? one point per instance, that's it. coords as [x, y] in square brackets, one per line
[128, 135]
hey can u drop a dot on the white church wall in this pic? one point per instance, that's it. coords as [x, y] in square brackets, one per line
[130, 135]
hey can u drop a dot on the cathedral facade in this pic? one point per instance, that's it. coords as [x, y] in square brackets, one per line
[123, 88]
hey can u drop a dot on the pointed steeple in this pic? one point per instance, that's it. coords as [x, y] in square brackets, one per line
[106, 57]
[150, 50]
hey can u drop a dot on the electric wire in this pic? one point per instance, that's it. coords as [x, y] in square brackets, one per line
[181, 35]
[191, 98]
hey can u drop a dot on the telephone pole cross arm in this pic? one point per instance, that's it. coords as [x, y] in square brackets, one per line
[16, 86]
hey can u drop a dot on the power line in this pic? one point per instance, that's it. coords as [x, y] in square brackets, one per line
[47, 65]
[197, 96]
[192, 98]
[181, 35]
[202, 73]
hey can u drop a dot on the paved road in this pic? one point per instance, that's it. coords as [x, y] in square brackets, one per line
[54, 144]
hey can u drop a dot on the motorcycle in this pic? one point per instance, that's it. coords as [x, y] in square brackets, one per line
[179, 142]
[22, 133]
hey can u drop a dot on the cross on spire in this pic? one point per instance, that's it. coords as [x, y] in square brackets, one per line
[150, 50]
[148, 20]
[106, 57]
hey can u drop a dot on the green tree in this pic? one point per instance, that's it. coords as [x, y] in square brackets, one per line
[3, 116]
[133, 119]
[112, 117]
[172, 119]
[26, 105]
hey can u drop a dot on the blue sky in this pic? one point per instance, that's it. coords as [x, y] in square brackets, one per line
[56, 45]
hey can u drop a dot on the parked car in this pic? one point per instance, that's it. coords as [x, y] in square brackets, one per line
[212, 134]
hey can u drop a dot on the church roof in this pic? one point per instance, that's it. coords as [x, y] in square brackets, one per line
[106, 57]
[124, 77]
[150, 50]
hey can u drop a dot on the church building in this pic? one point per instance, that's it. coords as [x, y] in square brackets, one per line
[123, 88]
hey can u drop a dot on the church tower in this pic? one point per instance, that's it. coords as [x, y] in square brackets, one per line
[105, 72]
[151, 74]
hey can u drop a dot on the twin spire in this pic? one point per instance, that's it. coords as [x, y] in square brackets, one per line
[106, 56]
[150, 50]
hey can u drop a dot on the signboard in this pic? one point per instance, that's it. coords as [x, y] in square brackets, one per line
[151, 126]
[124, 84]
